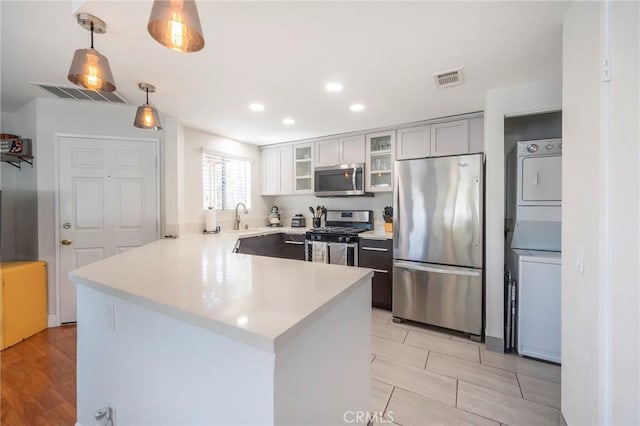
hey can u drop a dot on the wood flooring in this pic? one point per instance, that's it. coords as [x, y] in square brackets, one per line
[38, 379]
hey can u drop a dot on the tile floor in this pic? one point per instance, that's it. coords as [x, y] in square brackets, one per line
[420, 376]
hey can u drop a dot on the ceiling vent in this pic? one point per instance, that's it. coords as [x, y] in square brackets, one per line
[448, 78]
[70, 92]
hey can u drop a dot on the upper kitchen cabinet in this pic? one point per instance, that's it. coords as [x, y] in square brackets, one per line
[347, 150]
[450, 138]
[303, 168]
[379, 166]
[413, 142]
[457, 137]
[277, 169]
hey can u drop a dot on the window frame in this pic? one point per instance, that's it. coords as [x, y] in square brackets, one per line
[225, 156]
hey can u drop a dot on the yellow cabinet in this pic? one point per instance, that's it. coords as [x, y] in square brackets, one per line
[23, 301]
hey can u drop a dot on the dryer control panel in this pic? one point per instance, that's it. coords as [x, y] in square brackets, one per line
[540, 147]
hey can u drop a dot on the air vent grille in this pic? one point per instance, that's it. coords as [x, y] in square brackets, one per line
[448, 78]
[69, 92]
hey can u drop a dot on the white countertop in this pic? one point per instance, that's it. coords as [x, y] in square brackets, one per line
[377, 234]
[260, 301]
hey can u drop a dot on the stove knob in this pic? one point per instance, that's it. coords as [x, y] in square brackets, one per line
[348, 239]
[318, 237]
[549, 147]
[340, 239]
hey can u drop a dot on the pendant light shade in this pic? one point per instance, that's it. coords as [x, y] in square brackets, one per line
[175, 24]
[146, 115]
[89, 68]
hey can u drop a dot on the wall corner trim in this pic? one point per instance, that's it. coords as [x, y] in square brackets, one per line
[53, 321]
[494, 344]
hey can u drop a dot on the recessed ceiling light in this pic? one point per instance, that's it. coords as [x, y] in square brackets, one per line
[288, 121]
[356, 107]
[256, 107]
[334, 87]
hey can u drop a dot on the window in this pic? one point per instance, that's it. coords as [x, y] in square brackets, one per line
[226, 181]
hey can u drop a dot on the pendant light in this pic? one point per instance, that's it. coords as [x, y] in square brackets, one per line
[147, 116]
[89, 68]
[175, 24]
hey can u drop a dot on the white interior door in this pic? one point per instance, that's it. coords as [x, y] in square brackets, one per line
[108, 203]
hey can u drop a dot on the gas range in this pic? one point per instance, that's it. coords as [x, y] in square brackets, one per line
[343, 226]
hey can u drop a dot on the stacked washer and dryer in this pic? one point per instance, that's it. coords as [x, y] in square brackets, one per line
[534, 199]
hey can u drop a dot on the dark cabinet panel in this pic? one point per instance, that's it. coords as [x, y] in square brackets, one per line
[261, 245]
[288, 246]
[378, 255]
[292, 246]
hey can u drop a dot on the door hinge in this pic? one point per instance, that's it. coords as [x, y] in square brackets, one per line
[605, 68]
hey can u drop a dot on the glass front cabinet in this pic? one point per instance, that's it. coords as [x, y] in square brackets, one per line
[379, 164]
[303, 168]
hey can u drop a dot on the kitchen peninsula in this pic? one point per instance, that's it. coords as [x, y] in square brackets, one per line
[186, 332]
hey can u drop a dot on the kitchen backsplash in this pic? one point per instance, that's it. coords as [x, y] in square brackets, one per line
[290, 205]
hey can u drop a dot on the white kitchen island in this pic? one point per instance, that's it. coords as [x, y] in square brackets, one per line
[185, 332]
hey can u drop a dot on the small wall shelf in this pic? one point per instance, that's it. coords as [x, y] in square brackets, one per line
[16, 151]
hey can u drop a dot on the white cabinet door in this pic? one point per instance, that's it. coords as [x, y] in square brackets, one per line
[270, 171]
[379, 166]
[352, 150]
[450, 138]
[542, 179]
[413, 142]
[327, 152]
[476, 135]
[303, 168]
[277, 169]
[286, 170]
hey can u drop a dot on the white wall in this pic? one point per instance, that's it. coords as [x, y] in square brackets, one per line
[509, 101]
[19, 196]
[194, 215]
[601, 186]
[54, 116]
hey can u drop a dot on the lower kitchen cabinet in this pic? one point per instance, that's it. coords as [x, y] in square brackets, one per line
[288, 246]
[378, 255]
[292, 246]
[261, 245]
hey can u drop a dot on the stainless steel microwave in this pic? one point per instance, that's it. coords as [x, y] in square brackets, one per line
[340, 181]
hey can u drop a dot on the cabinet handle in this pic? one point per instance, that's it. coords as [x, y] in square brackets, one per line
[297, 243]
[374, 249]
[382, 271]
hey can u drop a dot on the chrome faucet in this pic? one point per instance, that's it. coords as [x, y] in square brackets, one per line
[236, 224]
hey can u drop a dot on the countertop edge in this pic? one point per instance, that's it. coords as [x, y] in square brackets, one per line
[286, 336]
[234, 333]
[237, 334]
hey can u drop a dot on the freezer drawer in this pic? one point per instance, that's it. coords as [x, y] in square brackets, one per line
[444, 296]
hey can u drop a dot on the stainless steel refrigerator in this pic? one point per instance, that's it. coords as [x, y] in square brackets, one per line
[438, 250]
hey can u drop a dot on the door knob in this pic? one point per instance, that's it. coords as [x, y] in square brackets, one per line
[65, 242]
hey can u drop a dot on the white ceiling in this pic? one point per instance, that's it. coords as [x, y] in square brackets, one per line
[283, 53]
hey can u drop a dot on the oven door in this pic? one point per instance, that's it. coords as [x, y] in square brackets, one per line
[334, 253]
[346, 179]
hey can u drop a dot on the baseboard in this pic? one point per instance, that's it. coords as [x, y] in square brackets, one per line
[494, 344]
[563, 421]
[53, 321]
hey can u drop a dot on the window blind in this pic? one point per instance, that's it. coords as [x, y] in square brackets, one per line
[226, 181]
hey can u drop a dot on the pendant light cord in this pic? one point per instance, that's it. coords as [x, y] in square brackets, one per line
[92, 34]
[147, 90]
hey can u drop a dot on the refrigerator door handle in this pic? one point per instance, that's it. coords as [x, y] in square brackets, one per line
[421, 268]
